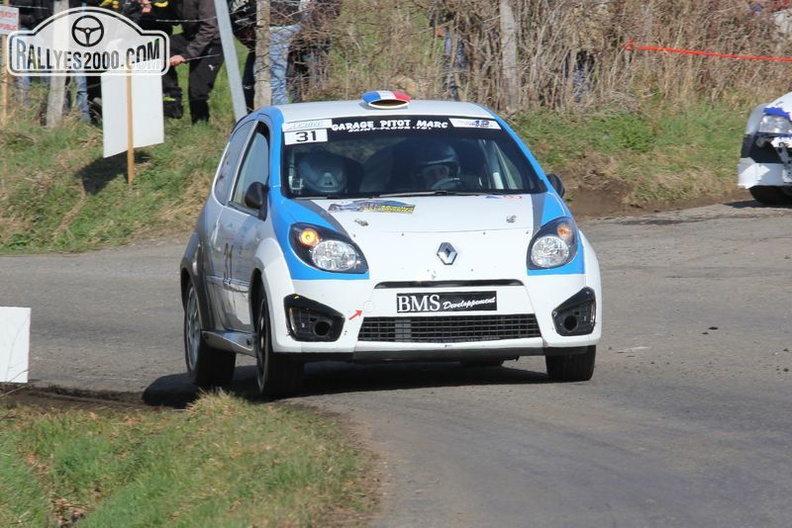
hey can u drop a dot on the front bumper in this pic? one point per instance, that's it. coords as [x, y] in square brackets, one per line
[361, 321]
[765, 161]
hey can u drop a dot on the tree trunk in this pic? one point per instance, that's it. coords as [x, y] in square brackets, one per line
[510, 89]
[263, 95]
[56, 98]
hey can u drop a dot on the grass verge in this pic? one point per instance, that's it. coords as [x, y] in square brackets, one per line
[221, 462]
[59, 194]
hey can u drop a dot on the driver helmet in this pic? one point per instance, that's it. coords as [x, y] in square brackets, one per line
[322, 172]
[433, 162]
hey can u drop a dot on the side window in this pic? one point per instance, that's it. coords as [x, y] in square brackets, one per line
[230, 161]
[255, 164]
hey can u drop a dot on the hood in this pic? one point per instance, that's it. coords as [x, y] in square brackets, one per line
[436, 214]
[402, 238]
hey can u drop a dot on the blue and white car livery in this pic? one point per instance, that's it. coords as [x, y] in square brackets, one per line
[384, 230]
[765, 167]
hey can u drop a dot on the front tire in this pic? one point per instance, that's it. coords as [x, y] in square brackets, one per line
[277, 376]
[572, 367]
[771, 195]
[207, 367]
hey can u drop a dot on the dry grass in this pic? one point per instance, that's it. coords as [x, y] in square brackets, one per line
[379, 43]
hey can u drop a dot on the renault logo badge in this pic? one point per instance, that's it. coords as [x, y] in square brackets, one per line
[447, 253]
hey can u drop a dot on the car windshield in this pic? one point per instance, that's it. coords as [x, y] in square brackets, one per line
[402, 156]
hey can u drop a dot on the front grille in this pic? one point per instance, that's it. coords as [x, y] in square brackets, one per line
[449, 329]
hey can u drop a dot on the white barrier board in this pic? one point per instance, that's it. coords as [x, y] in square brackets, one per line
[148, 122]
[14, 344]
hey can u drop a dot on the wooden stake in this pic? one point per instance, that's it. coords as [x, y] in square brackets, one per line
[130, 130]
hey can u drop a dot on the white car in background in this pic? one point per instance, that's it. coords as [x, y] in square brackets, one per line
[765, 167]
[379, 230]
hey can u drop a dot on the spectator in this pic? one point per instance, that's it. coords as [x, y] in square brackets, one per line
[592, 20]
[455, 60]
[285, 18]
[285, 23]
[199, 46]
[309, 56]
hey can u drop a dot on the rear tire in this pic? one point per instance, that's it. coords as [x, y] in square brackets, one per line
[572, 367]
[771, 195]
[207, 367]
[277, 376]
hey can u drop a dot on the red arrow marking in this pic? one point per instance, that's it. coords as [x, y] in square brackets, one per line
[357, 314]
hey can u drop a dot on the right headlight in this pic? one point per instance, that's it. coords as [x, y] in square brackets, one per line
[775, 124]
[327, 250]
[554, 245]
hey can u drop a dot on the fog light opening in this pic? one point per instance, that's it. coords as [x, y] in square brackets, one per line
[570, 323]
[322, 328]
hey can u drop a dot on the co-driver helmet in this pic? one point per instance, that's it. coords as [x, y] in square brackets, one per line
[322, 172]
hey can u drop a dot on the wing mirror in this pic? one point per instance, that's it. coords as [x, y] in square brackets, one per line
[256, 198]
[558, 185]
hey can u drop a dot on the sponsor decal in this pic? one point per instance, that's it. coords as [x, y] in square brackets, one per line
[373, 206]
[307, 125]
[446, 302]
[373, 125]
[89, 40]
[474, 123]
[419, 124]
[376, 124]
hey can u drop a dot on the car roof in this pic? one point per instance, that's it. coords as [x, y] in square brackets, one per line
[357, 108]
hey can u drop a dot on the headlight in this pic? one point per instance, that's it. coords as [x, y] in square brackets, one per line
[554, 245]
[775, 124]
[327, 250]
[334, 255]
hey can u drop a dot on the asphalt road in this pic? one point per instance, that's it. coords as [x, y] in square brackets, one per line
[686, 422]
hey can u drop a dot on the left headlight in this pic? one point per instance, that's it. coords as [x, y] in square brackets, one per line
[327, 250]
[554, 245]
[775, 124]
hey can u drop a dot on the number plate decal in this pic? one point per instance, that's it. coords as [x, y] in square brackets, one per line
[306, 136]
[446, 302]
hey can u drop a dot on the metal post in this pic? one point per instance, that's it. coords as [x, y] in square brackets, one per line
[231, 60]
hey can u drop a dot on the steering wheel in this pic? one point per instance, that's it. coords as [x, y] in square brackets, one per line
[446, 184]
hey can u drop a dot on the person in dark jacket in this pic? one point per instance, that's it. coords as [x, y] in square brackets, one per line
[198, 46]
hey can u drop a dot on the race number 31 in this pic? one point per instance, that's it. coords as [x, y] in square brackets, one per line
[306, 136]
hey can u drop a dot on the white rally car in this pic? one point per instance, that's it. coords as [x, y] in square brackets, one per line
[765, 167]
[384, 229]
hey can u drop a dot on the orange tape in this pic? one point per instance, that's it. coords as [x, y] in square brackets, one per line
[630, 46]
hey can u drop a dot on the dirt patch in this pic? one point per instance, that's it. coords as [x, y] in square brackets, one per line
[612, 199]
[60, 398]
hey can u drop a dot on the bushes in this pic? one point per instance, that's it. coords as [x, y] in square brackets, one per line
[569, 52]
